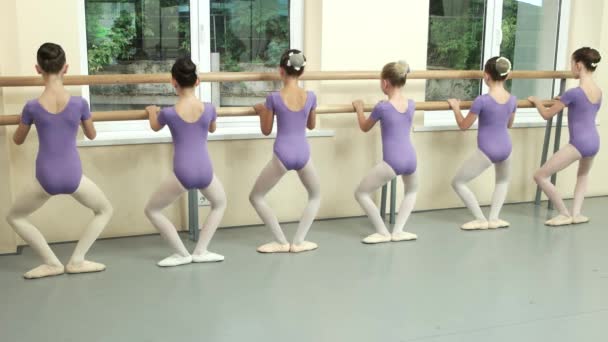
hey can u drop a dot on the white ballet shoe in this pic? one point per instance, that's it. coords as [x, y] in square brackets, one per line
[303, 247]
[403, 236]
[84, 267]
[578, 219]
[475, 225]
[274, 247]
[559, 220]
[207, 257]
[494, 224]
[44, 271]
[175, 260]
[376, 238]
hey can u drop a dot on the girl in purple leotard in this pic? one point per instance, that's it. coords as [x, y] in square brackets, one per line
[57, 115]
[583, 103]
[189, 120]
[496, 112]
[395, 116]
[291, 152]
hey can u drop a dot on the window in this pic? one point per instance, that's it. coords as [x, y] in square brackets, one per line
[145, 36]
[456, 32]
[134, 37]
[248, 35]
[463, 34]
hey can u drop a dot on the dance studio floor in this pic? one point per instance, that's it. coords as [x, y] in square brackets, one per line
[525, 283]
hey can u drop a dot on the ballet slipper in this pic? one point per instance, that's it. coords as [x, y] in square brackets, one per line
[578, 219]
[207, 257]
[274, 247]
[559, 220]
[44, 270]
[303, 247]
[175, 260]
[475, 225]
[403, 236]
[84, 267]
[498, 223]
[376, 238]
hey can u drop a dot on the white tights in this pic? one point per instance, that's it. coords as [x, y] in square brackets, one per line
[472, 168]
[88, 194]
[377, 177]
[270, 176]
[559, 161]
[167, 193]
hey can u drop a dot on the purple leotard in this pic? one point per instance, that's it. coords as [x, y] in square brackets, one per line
[58, 167]
[191, 162]
[397, 149]
[291, 146]
[493, 135]
[581, 121]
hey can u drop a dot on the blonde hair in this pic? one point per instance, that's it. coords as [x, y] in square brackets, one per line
[396, 73]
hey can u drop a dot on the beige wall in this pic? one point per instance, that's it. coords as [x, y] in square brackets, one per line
[334, 40]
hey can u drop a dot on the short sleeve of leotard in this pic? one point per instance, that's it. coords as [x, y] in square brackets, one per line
[568, 97]
[313, 100]
[27, 116]
[514, 108]
[162, 120]
[377, 112]
[477, 105]
[85, 111]
[213, 111]
[269, 103]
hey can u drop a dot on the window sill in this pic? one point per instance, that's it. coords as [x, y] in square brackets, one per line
[444, 121]
[164, 136]
[451, 126]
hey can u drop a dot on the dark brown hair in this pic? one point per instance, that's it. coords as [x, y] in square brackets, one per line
[184, 72]
[498, 68]
[293, 62]
[588, 56]
[50, 58]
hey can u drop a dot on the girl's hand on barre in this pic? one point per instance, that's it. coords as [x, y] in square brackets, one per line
[358, 106]
[533, 99]
[454, 104]
[152, 109]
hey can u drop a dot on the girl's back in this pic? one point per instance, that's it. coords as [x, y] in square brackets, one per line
[191, 162]
[58, 166]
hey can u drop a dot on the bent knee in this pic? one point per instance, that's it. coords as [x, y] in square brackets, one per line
[255, 198]
[11, 218]
[359, 194]
[104, 210]
[540, 176]
[219, 203]
[412, 188]
[456, 183]
[149, 210]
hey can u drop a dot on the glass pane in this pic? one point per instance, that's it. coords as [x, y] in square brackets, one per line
[248, 35]
[456, 30]
[530, 40]
[135, 37]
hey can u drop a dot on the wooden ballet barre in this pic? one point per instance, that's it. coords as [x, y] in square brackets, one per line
[123, 115]
[29, 81]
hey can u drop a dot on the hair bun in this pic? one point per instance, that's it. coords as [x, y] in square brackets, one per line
[503, 66]
[187, 67]
[405, 65]
[296, 60]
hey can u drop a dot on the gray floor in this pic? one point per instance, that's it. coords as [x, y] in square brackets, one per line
[526, 283]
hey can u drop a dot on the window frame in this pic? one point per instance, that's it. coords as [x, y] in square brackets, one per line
[200, 42]
[526, 117]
